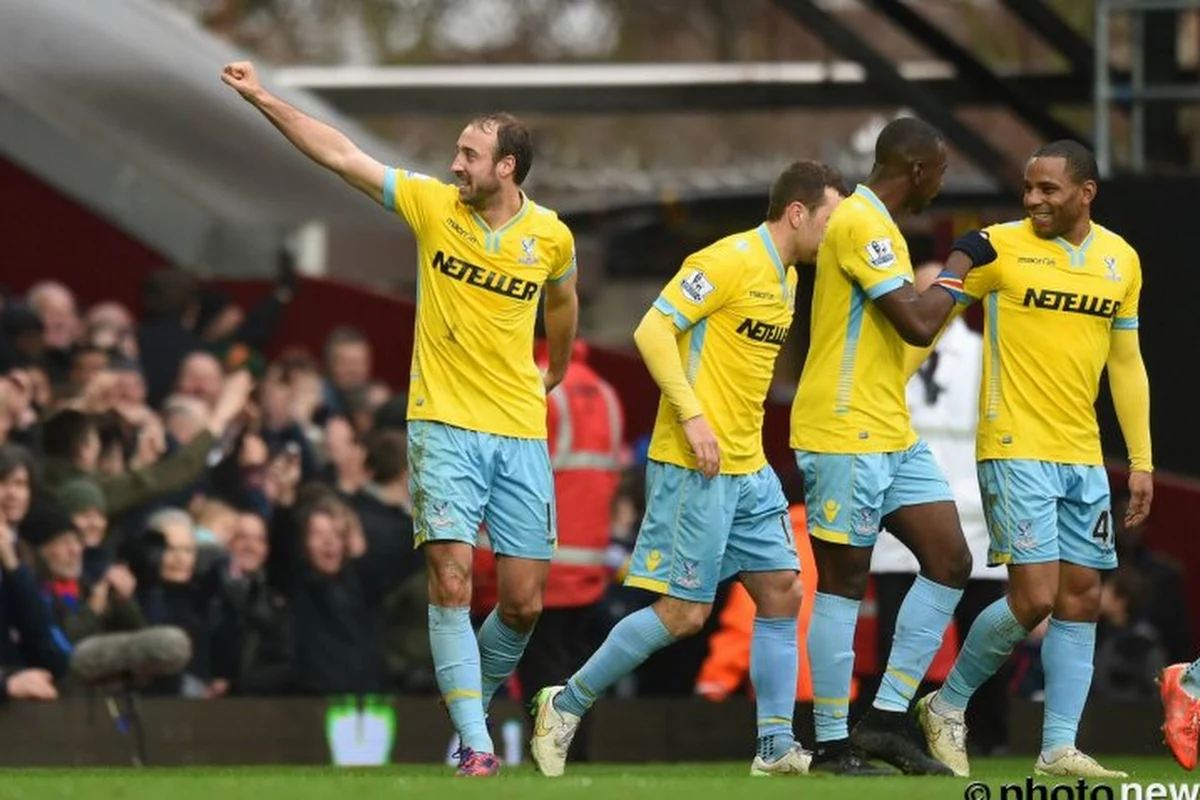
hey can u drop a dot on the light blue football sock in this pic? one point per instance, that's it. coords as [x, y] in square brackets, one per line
[500, 648]
[831, 657]
[456, 664]
[629, 643]
[774, 669]
[920, 626]
[1190, 679]
[1067, 655]
[993, 635]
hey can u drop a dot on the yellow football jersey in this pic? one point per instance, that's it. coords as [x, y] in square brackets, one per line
[477, 300]
[1049, 310]
[733, 302]
[851, 397]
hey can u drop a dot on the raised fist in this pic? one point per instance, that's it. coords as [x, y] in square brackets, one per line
[242, 77]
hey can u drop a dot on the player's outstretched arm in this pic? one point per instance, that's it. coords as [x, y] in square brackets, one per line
[562, 320]
[656, 341]
[1131, 399]
[322, 143]
[919, 318]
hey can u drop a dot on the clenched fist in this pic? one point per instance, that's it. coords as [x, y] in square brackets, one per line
[242, 77]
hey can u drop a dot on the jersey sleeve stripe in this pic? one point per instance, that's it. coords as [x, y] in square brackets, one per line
[883, 287]
[663, 305]
[389, 189]
[570, 271]
[845, 384]
[695, 350]
[1125, 324]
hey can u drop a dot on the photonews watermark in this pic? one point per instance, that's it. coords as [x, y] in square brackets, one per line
[1081, 790]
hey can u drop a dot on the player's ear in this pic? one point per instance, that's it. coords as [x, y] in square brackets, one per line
[1089, 190]
[507, 166]
[797, 213]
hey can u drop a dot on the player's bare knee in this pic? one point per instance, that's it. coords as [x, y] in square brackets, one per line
[682, 618]
[521, 612]
[776, 594]
[1078, 598]
[956, 566]
[449, 581]
[1031, 605]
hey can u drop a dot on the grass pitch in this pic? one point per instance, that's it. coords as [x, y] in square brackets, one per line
[726, 781]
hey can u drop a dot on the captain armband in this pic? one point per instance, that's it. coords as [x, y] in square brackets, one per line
[977, 246]
[953, 284]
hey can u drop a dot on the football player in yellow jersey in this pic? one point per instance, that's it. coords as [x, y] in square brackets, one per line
[1060, 299]
[477, 401]
[715, 508]
[864, 465]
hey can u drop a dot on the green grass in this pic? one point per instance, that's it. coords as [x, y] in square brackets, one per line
[726, 781]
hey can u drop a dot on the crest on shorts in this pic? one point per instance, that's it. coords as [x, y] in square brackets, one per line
[865, 521]
[1110, 264]
[688, 574]
[529, 255]
[653, 559]
[831, 509]
[440, 516]
[1025, 540]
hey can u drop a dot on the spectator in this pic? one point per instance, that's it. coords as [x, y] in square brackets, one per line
[348, 361]
[337, 584]
[252, 648]
[72, 449]
[385, 508]
[163, 561]
[16, 484]
[170, 300]
[1165, 605]
[83, 501]
[1129, 651]
[200, 376]
[55, 306]
[79, 608]
[30, 661]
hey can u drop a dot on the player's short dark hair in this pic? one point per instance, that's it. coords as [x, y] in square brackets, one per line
[905, 140]
[512, 139]
[1081, 164]
[804, 182]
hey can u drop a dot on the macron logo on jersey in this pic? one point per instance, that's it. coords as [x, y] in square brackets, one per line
[880, 254]
[696, 287]
[473, 275]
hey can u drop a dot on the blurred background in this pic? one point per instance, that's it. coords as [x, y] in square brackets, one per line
[159, 235]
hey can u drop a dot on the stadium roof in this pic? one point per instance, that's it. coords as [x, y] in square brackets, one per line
[119, 105]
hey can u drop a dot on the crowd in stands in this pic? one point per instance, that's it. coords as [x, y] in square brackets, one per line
[161, 471]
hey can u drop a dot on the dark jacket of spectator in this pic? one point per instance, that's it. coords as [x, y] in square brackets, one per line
[26, 637]
[337, 605]
[252, 643]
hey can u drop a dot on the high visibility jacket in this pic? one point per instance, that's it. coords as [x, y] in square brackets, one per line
[585, 424]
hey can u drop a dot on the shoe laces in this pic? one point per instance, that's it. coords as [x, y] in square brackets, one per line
[1192, 726]
[958, 733]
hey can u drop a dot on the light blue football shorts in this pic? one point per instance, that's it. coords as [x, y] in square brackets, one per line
[698, 531]
[847, 496]
[1040, 511]
[461, 478]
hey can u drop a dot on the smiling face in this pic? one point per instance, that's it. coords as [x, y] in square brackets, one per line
[1054, 200]
[479, 175]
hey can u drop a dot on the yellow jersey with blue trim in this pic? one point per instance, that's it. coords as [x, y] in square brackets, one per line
[1050, 310]
[477, 301]
[732, 305]
[851, 397]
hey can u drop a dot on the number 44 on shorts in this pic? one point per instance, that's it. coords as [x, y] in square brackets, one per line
[1103, 529]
